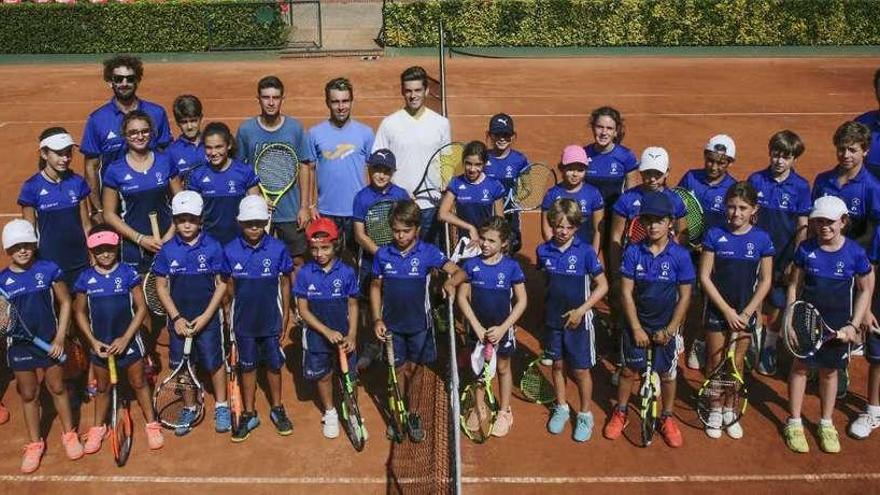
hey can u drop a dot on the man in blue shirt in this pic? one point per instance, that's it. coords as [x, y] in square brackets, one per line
[103, 142]
[872, 120]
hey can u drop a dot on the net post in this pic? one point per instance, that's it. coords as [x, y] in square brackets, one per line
[442, 49]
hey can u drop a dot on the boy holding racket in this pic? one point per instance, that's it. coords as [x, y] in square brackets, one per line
[399, 298]
[190, 286]
[506, 165]
[833, 273]
[187, 151]
[258, 268]
[575, 283]
[657, 275]
[326, 291]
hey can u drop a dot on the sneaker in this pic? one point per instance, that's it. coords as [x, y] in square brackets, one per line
[558, 419]
[615, 426]
[4, 414]
[33, 452]
[697, 355]
[94, 438]
[545, 361]
[829, 442]
[154, 435]
[72, 447]
[331, 424]
[733, 428]
[713, 428]
[842, 382]
[222, 419]
[863, 425]
[246, 424]
[472, 422]
[282, 423]
[795, 438]
[670, 432]
[185, 420]
[583, 427]
[767, 361]
[503, 423]
[414, 428]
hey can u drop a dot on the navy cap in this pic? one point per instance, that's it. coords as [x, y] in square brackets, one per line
[383, 158]
[501, 124]
[657, 204]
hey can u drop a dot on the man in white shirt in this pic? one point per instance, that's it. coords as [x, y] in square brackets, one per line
[414, 133]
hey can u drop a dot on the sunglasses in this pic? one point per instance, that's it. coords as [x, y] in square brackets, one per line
[117, 79]
[138, 132]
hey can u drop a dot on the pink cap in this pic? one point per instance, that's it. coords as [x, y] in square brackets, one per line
[574, 154]
[102, 238]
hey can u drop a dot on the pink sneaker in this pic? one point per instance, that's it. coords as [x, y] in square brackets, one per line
[503, 423]
[72, 447]
[154, 435]
[33, 452]
[94, 438]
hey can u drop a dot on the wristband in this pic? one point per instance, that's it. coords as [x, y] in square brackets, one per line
[175, 318]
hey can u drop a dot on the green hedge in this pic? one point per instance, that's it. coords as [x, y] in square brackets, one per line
[173, 26]
[633, 22]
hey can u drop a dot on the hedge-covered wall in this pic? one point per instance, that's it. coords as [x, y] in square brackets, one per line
[191, 25]
[633, 22]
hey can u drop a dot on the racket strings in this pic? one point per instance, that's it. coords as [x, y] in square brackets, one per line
[449, 164]
[532, 185]
[806, 329]
[7, 317]
[637, 231]
[376, 223]
[536, 386]
[276, 168]
[175, 395]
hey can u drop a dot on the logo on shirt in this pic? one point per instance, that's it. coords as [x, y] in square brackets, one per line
[39, 278]
[812, 255]
[181, 162]
[9, 281]
[614, 168]
[342, 151]
[159, 179]
[127, 177]
[462, 187]
[388, 266]
[716, 203]
[639, 267]
[43, 192]
[117, 284]
[414, 266]
[174, 263]
[722, 239]
[231, 185]
[475, 269]
[572, 261]
[206, 180]
[111, 135]
[855, 203]
[637, 203]
[500, 280]
[485, 194]
[237, 266]
[785, 200]
[583, 205]
[202, 261]
[267, 264]
[92, 281]
[750, 249]
[508, 171]
[337, 286]
[839, 268]
[664, 269]
[312, 288]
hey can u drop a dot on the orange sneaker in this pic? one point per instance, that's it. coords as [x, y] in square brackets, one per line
[94, 439]
[4, 414]
[614, 428]
[72, 447]
[670, 432]
[154, 435]
[33, 452]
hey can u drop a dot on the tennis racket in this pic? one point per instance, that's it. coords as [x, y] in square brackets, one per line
[530, 187]
[725, 387]
[180, 400]
[479, 409]
[444, 164]
[351, 412]
[151, 294]
[636, 232]
[376, 224]
[233, 387]
[277, 167]
[648, 398]
[12, 325]
[535, 385]
[805, 331]
[120, 417]
[694, 218]
[396, 404]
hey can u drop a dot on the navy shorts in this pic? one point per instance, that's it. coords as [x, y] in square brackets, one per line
[872, 348]
[24, 356]
[417, 348]
[665, 357]
[832, 355]
[259, 351]
[135, 352]
[505, 347]
[207, 348]
[317, 364]
[576, 347]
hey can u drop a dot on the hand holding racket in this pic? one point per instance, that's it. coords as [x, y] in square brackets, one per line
[12, 326]
[805, 331]
[724, 388]
[479, 409]
[277, 167]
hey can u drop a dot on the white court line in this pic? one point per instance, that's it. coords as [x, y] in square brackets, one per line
[509, 480]
[10, 215]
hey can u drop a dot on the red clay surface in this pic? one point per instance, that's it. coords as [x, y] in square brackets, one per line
[675, 103]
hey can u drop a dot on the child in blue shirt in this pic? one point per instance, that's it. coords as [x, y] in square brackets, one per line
[187, 151]
[573, 165]
[506, 164]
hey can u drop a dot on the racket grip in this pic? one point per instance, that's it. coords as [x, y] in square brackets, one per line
[47, 348]
[111, 365]
[488, 350]
[343, 361]
[154, 225]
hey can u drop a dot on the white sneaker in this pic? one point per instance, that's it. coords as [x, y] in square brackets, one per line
[863, 425]
[331, 424]
[734, 429]
[697, 355]
[546, 362]
[713, 429]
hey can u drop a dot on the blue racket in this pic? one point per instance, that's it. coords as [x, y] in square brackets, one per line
[12, 325]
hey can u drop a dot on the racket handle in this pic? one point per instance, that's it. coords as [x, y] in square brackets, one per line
[488, 349]
[154, 224]
[187, 346]
[47, 348]
[111, 365]
[343, 360]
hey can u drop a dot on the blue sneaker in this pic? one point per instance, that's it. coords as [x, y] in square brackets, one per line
[222, 419]
[558, 419]
[246, 424]
[185, 420]
[282, 423]
[767, 361]
[583, 428]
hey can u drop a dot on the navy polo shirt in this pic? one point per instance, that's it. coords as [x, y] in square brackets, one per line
[186, 155]
[829, 278]
[492, 288]
[368, 196]
[190, 269]
[781, 204]
[569, 273]
[629, 204]
[711, 197]
[405, 278]
[506, 170]
[222, 191]
[656, 280]
[327, 294]
[102, 137]
[861, 195]
[474, 200]
[607, 171]
[587, 197]
[737, 259]
[111, 306]
[30, 292]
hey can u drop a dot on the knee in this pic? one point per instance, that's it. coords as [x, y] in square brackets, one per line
[28, 393]
[558, 365]
[504, 366]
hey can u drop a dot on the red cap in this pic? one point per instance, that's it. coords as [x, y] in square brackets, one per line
[322, 225]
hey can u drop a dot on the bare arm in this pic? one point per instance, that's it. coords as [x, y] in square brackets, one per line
[29, 213]
[632, 179]
[363, 240]
[446, 213]
[284, 280]
[62, 299]
[91, 172]
[597, 218]
[546, 229]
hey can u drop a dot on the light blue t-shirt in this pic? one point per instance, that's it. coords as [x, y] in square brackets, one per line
[341, 154]
[251, 138]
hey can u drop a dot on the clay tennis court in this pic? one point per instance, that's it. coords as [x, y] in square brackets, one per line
[673, 102]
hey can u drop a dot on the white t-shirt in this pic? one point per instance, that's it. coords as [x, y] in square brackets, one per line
[413, 140]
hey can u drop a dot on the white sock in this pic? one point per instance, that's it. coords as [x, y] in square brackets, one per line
[795, 421]
[874, 411]
[221, 404]
[331, 412]
[826, 422]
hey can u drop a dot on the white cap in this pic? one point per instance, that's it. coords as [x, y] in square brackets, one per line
[17, 232]
[654, 158]
[187, 202]
[58, 142]
[830, 207]
[253, 207]
[722, 144]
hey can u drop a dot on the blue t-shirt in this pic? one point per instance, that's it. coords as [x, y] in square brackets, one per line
[607, 171]
[829, 278]
[568, 277]
[327, 294]
[737, 260]
[191, 270]
[222, 191]
[588, 197]
[62, 239]
[711, 197]
[102, 137]
[474, 200]
[861, 195]
[256, 272]
[110, 303]
[30, 292]
[507, 169]
[629, 204]
[342, 154]
[186, 155]
[369, 195]
[781, 204]
[656, 280]
[874, 256]
[872, 120]
[251, 138]
[492, 288]
[139, 194]
[405, 279]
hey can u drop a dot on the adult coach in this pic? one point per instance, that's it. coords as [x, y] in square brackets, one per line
[341, 146]
[413, 134]
[103, 142]
[292, 211]
[872, 120]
